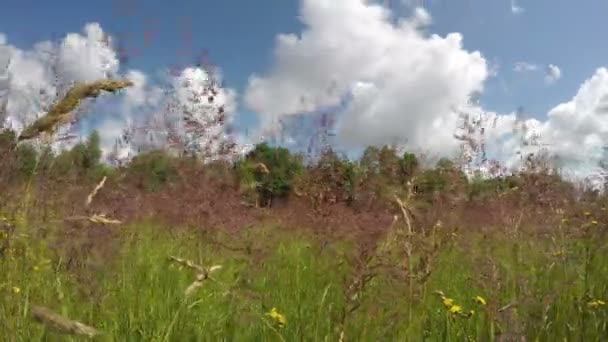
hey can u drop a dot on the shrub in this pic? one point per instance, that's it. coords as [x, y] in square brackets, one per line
[26, 160]
[151, 170]
[282, 167]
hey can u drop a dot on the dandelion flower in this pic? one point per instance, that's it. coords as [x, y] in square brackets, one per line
[480, 300]
[277, 317]
[16, 290]
[448, 302]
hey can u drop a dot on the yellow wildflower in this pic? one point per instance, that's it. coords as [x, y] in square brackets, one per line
[16, 290]
[277, 317]
[480, 300]
[558, 253]
[456, 309]
[448, 302]
[596, 303]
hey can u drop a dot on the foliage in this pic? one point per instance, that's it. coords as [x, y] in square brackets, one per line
[290, 287]
[86, 156]
[26, 160]
[283, 167]
[151, 170]
[8, 139]
[409, 165]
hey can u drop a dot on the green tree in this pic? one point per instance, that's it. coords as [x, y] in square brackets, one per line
[26, 160]
[151, 170]
[389, 164]
[282, 169]
[87, 156]
[409, 165]
[8, 140]
[445, 164]
[370, 160]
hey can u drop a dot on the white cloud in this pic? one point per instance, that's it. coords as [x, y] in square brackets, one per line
[553, 73]
[515, 8]
[396, 81]
[393, 81]
[525, 67]
[578, 129]
[37, 76]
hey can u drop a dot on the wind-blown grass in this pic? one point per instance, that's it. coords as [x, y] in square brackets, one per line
[285, 286]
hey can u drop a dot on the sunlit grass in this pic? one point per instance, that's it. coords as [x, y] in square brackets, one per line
[287, 286]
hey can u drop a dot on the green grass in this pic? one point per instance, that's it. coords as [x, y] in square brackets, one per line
[137, 294]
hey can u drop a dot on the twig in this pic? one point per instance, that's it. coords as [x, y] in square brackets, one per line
[202, 275]
[506, 307]
[95, 218]
[95, 191]
[62, 324]
[406, 217]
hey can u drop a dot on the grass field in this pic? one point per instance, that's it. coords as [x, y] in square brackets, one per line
[283, 284]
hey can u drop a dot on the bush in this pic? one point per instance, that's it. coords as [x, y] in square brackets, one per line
[409, 165]
[87, 156]
[283, 167]
[151, 170]
[26, 160]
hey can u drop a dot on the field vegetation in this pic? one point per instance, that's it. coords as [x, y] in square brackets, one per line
[272, 248]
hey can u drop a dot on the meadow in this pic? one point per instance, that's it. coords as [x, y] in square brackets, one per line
[381, 249]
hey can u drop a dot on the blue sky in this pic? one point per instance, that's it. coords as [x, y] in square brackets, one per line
[240, 35]
[241, 38]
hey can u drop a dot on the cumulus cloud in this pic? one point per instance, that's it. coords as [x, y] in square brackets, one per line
[553, 73]
[32, 79]
[36, 77]
[389, 80]
[577, 130]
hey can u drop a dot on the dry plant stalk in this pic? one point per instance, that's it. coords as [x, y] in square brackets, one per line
[262, 168]
[202, 273]
[61, 324]
[95, 218]
[507, 307]
[60, 113]
[95, 191]
[101, 218]
[358, 285]
[403, 205]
